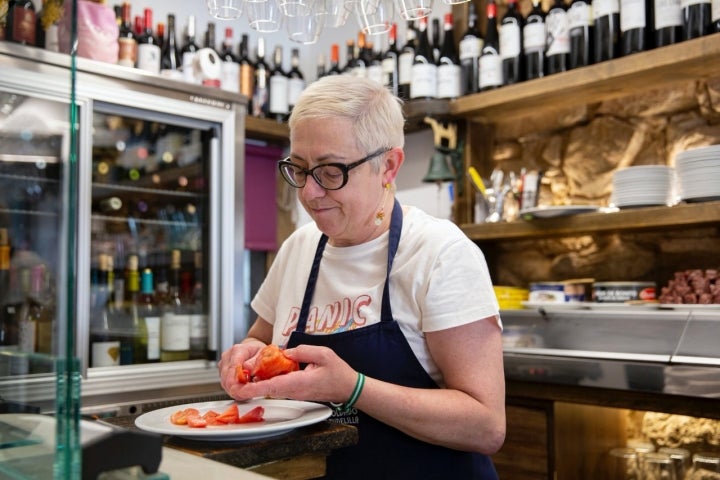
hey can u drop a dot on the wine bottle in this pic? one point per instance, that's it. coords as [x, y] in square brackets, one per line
[14, 309]
[607, 29]
[230, 76]
[511, 44]
[160, 35]
[136, 325]
[170, 60]
[534, 38]
[405, 62]
[435, 44]
[334, 60]
[350, 63]
[188, 52]
[175, 321]
[634, 26]
[581, 33]
[668, 22]
[279, 106]
[296, 80]
[260, 106]
[39, 30]
[149, 312]
[374, 64]
[247, 69]
[37, 315]
[424, 68]
[448, 69]
[321, 66]
[390, 61]
[104, 345]
[8, 326]
[491, 74]
[361, 58]
[199, 341]
[557, 46]
[697, 18]
[21, 22]
[148, 56]
[127, 43]
[469, 47]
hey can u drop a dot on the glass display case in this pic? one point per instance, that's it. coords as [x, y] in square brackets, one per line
[662, 349]
[121, 239]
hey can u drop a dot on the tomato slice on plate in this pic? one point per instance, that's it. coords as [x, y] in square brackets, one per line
[180, 417]
[196, 421]
[230, 415]
[254, 415]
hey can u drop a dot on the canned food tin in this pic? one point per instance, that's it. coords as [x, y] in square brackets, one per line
[619, 292]
[547, 292]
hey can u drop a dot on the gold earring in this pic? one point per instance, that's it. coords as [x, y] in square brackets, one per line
[380, 215]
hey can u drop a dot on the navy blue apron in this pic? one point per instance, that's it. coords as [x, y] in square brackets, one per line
[381, 351]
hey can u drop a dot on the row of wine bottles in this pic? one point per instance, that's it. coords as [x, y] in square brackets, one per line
[146, 315]
[515, 48]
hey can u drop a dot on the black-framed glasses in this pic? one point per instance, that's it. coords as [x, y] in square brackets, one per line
[330, 176]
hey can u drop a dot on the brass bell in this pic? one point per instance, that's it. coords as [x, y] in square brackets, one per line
[439, 170]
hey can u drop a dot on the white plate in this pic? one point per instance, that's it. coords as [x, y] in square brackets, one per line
[556, 211]
[690, 306]
[281, 416]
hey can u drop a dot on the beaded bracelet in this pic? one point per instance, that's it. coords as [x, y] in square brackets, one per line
[345, 407]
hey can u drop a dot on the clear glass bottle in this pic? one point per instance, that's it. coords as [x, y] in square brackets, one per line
[175, 322]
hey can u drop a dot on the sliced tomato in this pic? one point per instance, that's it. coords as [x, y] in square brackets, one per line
[243, 375]
[196, 421]
[254, 415]
[180, 417]
[230, 415]
[211, 418]
[272, 362]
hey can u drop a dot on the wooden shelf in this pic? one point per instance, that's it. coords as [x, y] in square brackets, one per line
[266, 129]
[680, 63]
[638, 219]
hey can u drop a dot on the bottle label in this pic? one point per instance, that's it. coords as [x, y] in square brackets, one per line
[470, 47]
[632, 14]
[604, 8]
[490, 71]
[23, 26]
[26, 335]
[148, 57]
[668, 13]
[127, 52]
[279, 94]
[295, 89]
[188, 68]
[580, 15]
[152, 324]
[389, 66]
[424, 81]
[106, 354]
[558, 32]
[375, 73]
[198, 326]
[230, 77]
[175, 332]
[510, 39]
[534, 36]
[405, 66]
[687, 3]
[247, 80]
[448, 80]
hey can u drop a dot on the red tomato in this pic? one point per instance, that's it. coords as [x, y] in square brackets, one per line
[254, 415]
[180, 417]
[210, 417]
[196, 421]
[272, 362]
[230, 415]
[243, 375]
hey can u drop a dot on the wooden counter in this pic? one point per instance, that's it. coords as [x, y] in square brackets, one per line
[299, 454]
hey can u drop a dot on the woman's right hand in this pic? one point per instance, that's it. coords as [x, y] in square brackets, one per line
[239, 355]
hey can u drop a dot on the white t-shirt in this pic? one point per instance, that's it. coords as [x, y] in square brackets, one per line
[439, 280]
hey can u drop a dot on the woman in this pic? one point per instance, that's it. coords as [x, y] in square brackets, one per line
[391, 310]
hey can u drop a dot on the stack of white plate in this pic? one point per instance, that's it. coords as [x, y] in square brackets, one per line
[698, 173]
[643, 185]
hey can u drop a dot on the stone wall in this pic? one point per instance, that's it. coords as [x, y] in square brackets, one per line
[579, 155]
